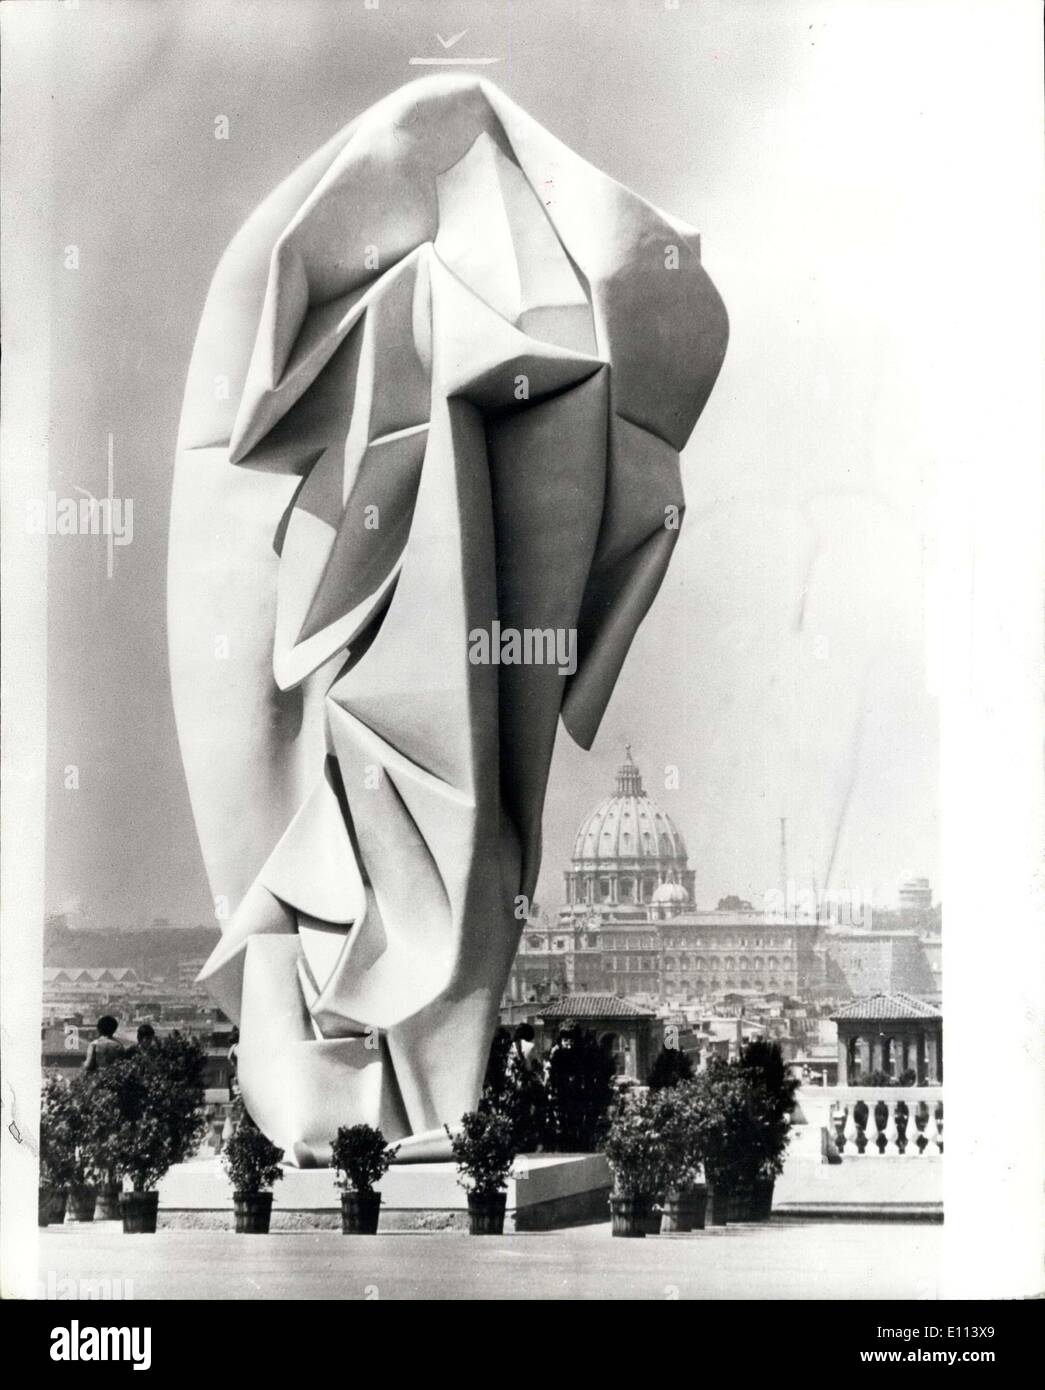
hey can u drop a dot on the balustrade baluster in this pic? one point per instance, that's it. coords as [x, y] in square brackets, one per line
[905, 1129]
[838, 1118]
[881, 1119]
[853, 1134]
[892, 1133]
[937, 1132]
[921, 1122]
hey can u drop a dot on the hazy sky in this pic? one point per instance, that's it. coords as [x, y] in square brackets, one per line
[783, 668]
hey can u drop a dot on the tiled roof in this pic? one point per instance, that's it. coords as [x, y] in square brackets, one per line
[886, 1006]
[594, 1006]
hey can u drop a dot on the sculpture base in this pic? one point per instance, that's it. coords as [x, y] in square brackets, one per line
[549, 1191]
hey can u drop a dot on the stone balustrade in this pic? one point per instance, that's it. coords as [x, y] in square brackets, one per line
[883, 1122]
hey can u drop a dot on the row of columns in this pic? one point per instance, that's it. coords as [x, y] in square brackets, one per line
[920, 1052]
[583, 886]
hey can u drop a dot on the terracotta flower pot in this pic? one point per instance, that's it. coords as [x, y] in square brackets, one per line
[59, 1201]
[630, 1215]
[741, 1202]
[486, 1213]
[653, 1217]
[253, 1212]
[685, 1210]
[45, 1206]
[717, 1210]
[762, 1199]
[673, 1218]
[108, 1205]
[697, 1199]
[82, 1200]
[138, 1210]
[360, 1213]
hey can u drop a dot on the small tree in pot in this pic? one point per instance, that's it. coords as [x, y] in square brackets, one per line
[636, 1158]
[86, 1120]
[484, 1151]
[153, 1101]
[57, 1150]
[252, 1162]
[722, 1100]
[772, 1092]
[676, 1120]
[362, 1157]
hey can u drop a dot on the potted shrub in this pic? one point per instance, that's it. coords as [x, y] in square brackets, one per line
[677, 1123]
[633, 1151]
[57, 1151]
[252, 1161]
[361, 1156]
[772, 1092]
[722, 1099]
[104, 1147]
[484, 1151]
[83, 1110]
[109, 1192]
[152, 1103]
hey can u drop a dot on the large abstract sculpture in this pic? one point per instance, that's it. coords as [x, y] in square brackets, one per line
[438, 393]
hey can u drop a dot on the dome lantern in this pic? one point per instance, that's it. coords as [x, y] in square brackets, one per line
[629, 778]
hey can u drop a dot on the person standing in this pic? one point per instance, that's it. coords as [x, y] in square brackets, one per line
[147, 1041]
[106, 1047]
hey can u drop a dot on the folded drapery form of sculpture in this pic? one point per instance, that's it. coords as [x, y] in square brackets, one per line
[441, 381]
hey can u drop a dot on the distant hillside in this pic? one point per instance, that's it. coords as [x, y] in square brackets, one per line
[155, 952]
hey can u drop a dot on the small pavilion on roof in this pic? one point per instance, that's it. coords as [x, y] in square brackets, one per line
[891, 1033]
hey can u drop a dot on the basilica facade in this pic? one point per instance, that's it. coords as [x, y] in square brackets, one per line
[629, 926]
